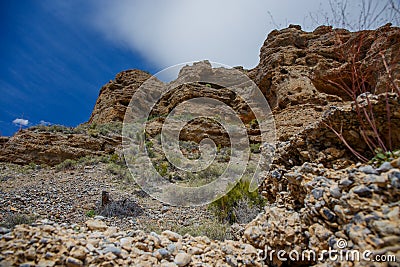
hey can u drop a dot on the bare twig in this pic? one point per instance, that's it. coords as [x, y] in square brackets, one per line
[341, 137]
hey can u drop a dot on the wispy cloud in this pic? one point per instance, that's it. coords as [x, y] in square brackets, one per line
[20, 122]
[171, 32]
[230, 32]
[44, 123]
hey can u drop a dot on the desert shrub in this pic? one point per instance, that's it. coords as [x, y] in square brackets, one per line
[150, 149]
[11, 220]
[33, 166]
[120, 208]
[93, 133]
[382, 156]
[206, 176]
[155, 116]
[234, 204]
[255, 148]
[110, 128]
[253, 124]
[115, 158]
[90, 213]
[120, 170]
[245, 211]
[53, 128]
[93, 160]
[95, 129]
[149, 144]
[68, 164]
[162, 168]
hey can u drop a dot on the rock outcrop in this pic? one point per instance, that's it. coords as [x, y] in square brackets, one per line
[114, 97]
[311, 208]
[319, 144]
[32, 146]
[299, 71]
[202, 80]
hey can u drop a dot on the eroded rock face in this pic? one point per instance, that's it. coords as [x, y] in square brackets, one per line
[115, 96]
[51, 148]
[298, 69]
[3, 140]
[200, 82]
[311, 208]
[318, 143]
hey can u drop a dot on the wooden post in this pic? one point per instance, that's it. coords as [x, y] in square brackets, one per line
[105, 198]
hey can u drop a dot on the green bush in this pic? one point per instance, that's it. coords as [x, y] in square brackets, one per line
[119, 170]
[226, 207]
[90, 213]
[253, 124]
[115, 158]
[382, 156]
[255, 148]
[33, 165]
[93, 133]
[162, 168]
[68, 164]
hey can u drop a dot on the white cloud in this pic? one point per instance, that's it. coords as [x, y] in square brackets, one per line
[225, 31]
[44, 123]
[20, 122]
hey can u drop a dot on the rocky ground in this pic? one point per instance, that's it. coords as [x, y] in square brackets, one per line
[70, 196]
[95, 244]
[310, 208]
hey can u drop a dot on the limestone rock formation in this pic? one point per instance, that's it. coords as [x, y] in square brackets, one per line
[3, 140]
[51, 148]
[297, 70]
[311, 208]
[318, 143]
[115, 96]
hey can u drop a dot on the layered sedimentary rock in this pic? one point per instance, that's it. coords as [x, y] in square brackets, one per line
[299, 72]
[115, 96]
[28, 146]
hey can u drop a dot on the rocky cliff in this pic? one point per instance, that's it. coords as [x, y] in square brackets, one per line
[115, 96]
[49, 147]
[297, 70]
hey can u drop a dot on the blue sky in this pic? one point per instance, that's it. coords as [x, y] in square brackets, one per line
[52, 67]
[56, 55]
